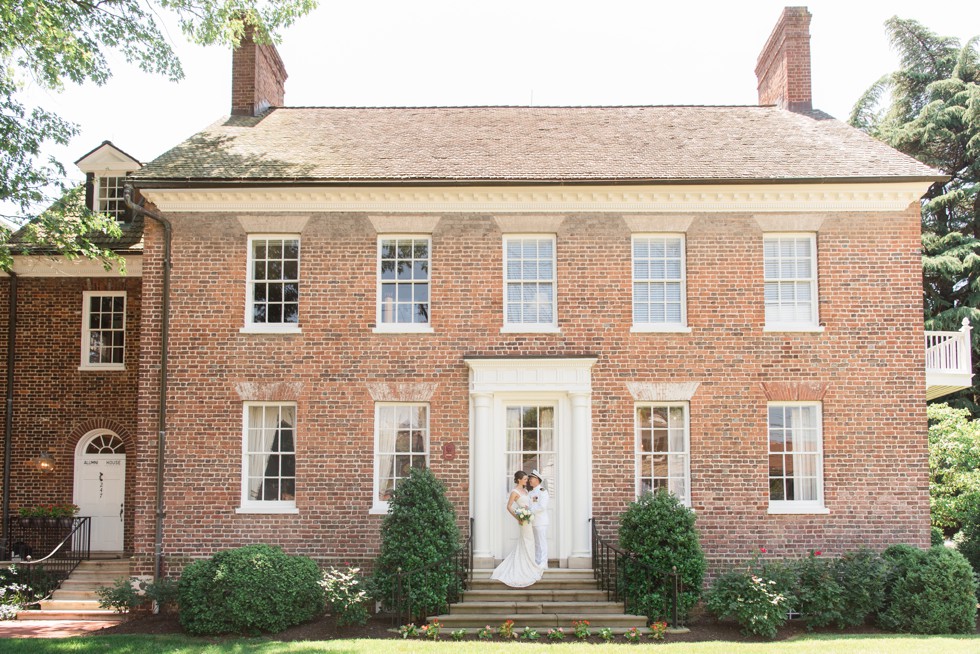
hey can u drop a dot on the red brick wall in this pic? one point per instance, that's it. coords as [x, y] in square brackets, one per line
[870, 357]
[783, 67]
[258, 78]
[55, 403]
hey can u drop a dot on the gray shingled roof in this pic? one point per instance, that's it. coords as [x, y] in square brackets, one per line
[358, 145]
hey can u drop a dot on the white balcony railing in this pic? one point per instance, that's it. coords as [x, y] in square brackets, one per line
[949, 361]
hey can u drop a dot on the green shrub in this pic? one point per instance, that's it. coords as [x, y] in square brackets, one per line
[968, 540]
[932, 592]
[819, 596]
[345, 594]
[751, 599]
[862, 576]
[252, 589]
[660, 531]
[133, 594]
[418, 534]
[936, 537]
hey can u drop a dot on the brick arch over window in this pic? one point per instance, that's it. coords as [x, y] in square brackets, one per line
[83, 429]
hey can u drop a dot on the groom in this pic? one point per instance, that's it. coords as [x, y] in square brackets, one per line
[539, 507]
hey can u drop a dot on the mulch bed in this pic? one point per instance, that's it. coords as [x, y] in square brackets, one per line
[701, 629]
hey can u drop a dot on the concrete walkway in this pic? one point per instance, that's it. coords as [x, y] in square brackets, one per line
[50, 628]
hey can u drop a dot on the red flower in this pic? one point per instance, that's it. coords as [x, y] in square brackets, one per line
[817, 553]
[762, 549]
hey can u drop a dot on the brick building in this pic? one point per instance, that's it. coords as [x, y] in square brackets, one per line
[722, 301]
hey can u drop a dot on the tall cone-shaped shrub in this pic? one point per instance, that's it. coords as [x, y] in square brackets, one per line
[419, 534]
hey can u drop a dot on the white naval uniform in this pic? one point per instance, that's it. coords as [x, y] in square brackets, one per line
[539, 507]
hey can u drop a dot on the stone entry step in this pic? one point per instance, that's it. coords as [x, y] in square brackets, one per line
[76, 598]
[561, 597]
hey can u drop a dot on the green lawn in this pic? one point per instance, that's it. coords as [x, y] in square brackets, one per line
[185, 645]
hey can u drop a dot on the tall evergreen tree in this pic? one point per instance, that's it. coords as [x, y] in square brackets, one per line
[930, 109]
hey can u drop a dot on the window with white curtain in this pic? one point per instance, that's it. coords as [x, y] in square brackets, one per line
[269, 457]
[401, 444]
[662, 446]
[529, 283]
[795, 457]
[790, 280]
[658, 281]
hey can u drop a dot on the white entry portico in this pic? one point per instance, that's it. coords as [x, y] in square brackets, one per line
[501, 383]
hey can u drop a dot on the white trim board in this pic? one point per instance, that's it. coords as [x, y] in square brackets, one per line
[759, 198]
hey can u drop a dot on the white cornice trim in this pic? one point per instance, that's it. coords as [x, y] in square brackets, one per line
[54, 266]
[881, 196]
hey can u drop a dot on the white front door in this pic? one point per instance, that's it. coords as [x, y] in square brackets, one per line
[100, 488]
[530, 443]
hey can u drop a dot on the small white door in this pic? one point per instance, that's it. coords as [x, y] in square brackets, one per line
[100, 488]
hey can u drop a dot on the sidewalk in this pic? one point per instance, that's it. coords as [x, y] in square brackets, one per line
[50, 628]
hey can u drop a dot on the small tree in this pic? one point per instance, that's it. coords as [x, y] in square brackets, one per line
[954, 465]
[660, 531]
[420, 536]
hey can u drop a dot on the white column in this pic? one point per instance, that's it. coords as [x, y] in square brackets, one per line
[482, 497]
[581, 555]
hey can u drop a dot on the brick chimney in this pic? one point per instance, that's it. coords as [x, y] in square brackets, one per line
[783, 69]
[258, 77]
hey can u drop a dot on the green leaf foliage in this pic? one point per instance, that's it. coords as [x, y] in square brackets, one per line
[862, 576]
[48, 43]
[249, 590]
[930, 110]
[418, 536]
[659, 530]
[931, 592]
[954, 465]
[751, 599]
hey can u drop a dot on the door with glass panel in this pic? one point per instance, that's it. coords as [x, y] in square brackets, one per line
[530, 444]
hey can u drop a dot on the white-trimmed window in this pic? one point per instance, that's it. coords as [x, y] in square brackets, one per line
[663, 444]
[273, 283]
[269, 458]
[401, 442]
[795, 457]
[109, 197]
[104, 330]
[791, 281]
[403, 283]
[529, 283]
[659, 283]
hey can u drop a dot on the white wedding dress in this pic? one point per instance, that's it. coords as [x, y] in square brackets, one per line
[519, 570]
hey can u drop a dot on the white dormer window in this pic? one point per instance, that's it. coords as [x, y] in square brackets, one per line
[109, 197]
[107, 167]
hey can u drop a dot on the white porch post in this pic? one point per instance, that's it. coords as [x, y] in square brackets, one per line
[581, 554]
[481, 455]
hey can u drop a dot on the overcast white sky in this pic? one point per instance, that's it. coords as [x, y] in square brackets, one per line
[513, 52]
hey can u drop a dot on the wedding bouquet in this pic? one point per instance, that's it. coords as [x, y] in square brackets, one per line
[524, 516]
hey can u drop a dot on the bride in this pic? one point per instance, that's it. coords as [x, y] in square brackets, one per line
[519, 570]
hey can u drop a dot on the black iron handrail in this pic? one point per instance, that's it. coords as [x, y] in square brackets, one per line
[46, 574]
[461, 562]
[610, 564]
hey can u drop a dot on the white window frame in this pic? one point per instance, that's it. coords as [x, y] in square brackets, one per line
[248, 505]
[799, 506]
[812, 325]
[84, 363]
[379, 506]
[539, 327]
[265, 327]
[641, 327]
[401, 327]
[120, 214]
[638, 449]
